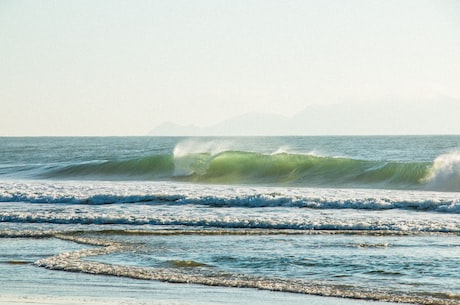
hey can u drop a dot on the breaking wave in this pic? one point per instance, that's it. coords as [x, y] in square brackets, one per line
[252, 168]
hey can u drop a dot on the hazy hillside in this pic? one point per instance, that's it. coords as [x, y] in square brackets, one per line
[440, 117]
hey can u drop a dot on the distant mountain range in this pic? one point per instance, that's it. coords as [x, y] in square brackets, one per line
[434, 117]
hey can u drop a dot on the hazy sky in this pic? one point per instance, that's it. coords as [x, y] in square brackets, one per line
[122, 67]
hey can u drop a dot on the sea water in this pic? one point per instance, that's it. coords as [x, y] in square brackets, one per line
[358, 217]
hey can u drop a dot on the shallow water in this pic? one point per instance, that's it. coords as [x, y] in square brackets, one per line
[27, 284]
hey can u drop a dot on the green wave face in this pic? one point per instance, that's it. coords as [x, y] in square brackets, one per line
[152, 167]
[247, 167]
[237, 167]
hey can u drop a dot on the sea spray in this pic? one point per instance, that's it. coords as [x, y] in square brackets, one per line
[444, 174]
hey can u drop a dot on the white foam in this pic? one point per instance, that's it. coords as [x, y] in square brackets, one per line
[173, 204]
[445, 172]
[282, 150]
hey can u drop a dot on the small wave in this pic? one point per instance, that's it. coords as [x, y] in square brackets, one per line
[17, 262]
[186, 264]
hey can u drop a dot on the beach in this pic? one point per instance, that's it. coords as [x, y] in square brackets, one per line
[230, 152]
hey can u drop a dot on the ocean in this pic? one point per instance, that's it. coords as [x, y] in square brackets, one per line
[367, 218]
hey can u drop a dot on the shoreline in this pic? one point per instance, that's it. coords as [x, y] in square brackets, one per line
[23, 283]
[184, 294]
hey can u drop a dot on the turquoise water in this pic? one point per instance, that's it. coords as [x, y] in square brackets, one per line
[357, 217]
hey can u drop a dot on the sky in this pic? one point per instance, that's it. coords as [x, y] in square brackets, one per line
[115, 68]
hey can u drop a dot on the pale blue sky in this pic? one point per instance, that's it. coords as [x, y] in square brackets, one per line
[123, 67]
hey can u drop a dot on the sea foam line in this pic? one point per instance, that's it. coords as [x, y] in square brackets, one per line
[268, 222]
[98, 193]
